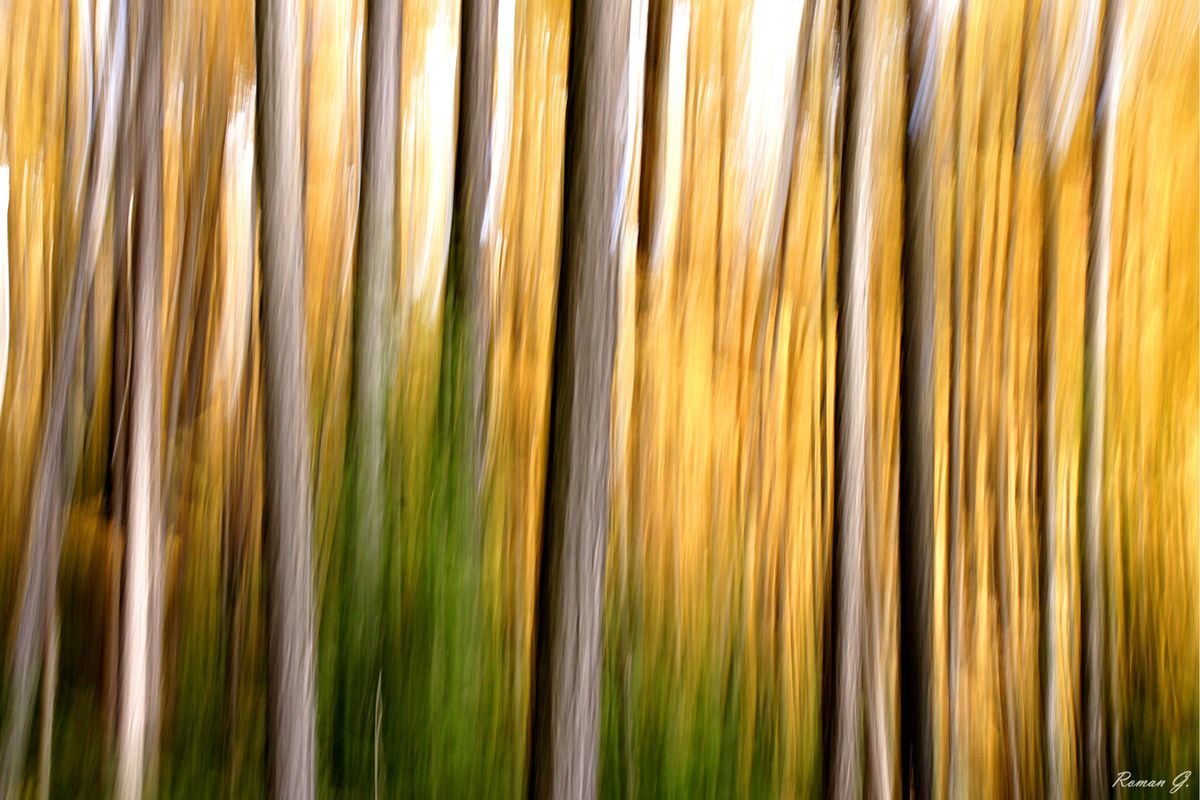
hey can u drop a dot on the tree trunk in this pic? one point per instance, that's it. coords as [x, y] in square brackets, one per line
[143, 578]
[923, 181]
[1047, 490]
[1006, 632]
[954, 426]
[564, 753]
[843, 685]
[1093, 610]
[55, 466]
[373, 287]
[287, 513]
[49, 685]
[476, 199]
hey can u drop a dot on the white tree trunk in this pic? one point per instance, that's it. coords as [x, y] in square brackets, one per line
[287, 510]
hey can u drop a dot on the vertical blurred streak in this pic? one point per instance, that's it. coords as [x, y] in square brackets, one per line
[428, 108]
[287, 510]
[645, 541]
[1047, 505]
[143, 577]
[625, 236]
[484, 124]
[4, 320]
[1067, 76]
[663, 128]
[1047, 463]
[427, 117]
[923, 183]
[119, 388]
[954, 432]
[1006, 528]
[203, 116]
[1094, 608]
[850, 421]
[375, 259]
[605, 51]
[235, 397]
[774, 400]
[55, 467]
[49, 685]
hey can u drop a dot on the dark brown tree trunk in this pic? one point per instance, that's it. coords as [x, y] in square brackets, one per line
[923, 181]
[143, 579]
[287, 512]
[56, 462]
[1093, 607]
[564, 753]
[954, 432]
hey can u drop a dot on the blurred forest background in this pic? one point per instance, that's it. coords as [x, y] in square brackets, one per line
[897, 376]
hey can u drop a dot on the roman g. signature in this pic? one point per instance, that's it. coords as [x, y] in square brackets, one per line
[1125, 780]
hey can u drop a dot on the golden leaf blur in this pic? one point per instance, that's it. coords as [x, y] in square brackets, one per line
[681, 398]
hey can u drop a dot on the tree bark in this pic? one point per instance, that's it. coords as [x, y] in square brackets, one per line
[49, 685]
[1003, 558]
[1047, 490]
[143, 578]
[56, 466]
[954, 426]
[287, 512]
[477, 185]
[376, 257]
[843, 671]
[373, 286]
[564, 751]
[1093, 611]
[923, 181]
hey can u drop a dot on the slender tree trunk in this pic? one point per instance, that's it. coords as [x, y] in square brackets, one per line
[118, 422]
[1047, 490]
[143, 579]
[1009, 676]
[844, 668]
[49, 685]
[373, 281]
[287, 512]
[923, 181]
[954, 432]
[477, 185]
[55, 466]
[1093, 611]
[5, 321]
[564, 753]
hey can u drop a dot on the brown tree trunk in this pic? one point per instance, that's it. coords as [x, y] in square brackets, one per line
[287, 512]
[564, 753]
[954, 432]
[55, 466]
[923, 181]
